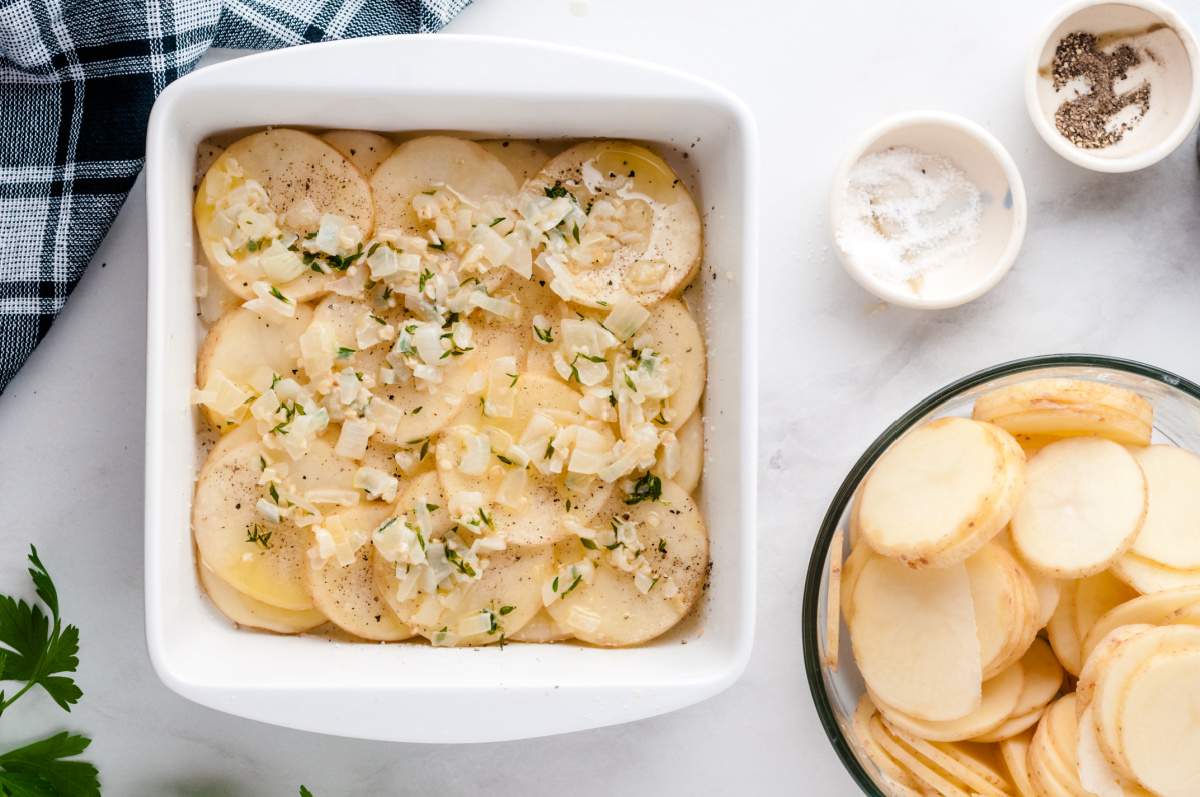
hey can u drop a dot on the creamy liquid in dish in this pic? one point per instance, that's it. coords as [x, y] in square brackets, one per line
[457, 398]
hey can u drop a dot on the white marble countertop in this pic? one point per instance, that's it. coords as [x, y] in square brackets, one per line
[1110, 265]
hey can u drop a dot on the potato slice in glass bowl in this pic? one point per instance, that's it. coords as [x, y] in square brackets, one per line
[264, 197]
[642, 233]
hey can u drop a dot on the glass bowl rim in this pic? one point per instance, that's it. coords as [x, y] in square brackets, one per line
[813, 666]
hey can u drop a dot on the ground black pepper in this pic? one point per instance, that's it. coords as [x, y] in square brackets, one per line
[1087, 121]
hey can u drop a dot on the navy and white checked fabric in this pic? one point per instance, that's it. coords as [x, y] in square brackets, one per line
[77, 79]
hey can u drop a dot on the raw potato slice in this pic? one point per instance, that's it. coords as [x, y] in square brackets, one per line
[673, 333]
[1046, 770]
[1120, 675]
[860, 725]
[431, 162]
[942, 482]
[914, 639]
[1056, 737]
[1095, 774]
[851, 569]
[291, 166]
[1033, 443]
[1043, 678]
[691, 453]
[1148, 577]
[1156, 609]
[364, 149]
[246, 611]
[1159, 723]
[523, 159]
[1015, 752]
[1084, 502]
[1012, 726]
[539, 520]
[999, 697]
[541, 628]
[1094, 664]
[833, 594]
[1000, 593]
[980, 759]
[1063, 631]
[942, 761]
[1069, 408]
[1096, 596]
[1170, 534]
[1047, 588]
[347, 594]
[633, 189]
[611, 610]
[223, 513]
[918, 769]
[242, 343]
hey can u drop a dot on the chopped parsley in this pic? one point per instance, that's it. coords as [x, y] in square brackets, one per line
[255, 534]
[345, 351]
[646, 488]
[275, 292]
[555, 191]
[544, 335]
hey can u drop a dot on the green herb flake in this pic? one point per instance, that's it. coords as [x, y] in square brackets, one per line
[646, 488]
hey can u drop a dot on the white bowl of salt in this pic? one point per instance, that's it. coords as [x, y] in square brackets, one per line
[928, 210]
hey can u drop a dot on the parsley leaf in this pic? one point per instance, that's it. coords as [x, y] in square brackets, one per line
[647, 488]
[39, 769]
[304, 792]
[38, 649]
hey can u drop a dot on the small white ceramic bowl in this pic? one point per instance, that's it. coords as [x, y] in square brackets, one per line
[988, 165]
[1173, 70]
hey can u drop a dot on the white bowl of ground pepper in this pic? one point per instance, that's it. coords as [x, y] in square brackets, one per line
[928, 210]
[1114, 86]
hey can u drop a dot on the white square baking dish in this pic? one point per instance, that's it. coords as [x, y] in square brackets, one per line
[483, 87]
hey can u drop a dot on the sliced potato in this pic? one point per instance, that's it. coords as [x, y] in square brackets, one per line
[1015, 752]
[522, 158]
[833, 594]
[673, 333]
[943, 481]
[1170, 534]
[251, 613]
[1043, 678]
[541, 628]
[861, 728]
[1097, 660]
[999, 698]
[292, 166]
[1120, 676]
[1055, 739]
[1069, 408]
[852, 568]
[1159, 722]
[243, 343]
[925, 775]
[1155, 609]
[643, 234]
[347, 593]
[1004, 620]
[1095, 774]
[958, 772]
[539, 520]
[432, 162]
[1083, 504]
[915, 641]
[1063, 631]
[1148, 577]
[264, 560]
[612, 610]
[1048, 589]
[1013, 726]
[691, 453]
[364, 149]
[1096, 596]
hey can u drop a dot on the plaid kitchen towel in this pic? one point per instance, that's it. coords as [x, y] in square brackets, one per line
[77, 79]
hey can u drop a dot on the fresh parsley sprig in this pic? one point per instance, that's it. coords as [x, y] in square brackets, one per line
[36, 649]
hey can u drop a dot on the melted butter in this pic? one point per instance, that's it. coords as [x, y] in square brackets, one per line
[648, 175]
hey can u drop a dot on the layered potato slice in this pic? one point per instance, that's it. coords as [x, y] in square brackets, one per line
[673, 334]
[638, 231]
[998, 699]
[248, 612]
[523, 159]
[364, 149]
[472, 456]
[1160, 608]
[542, 628]
[941, 492]
[344, 586]
[431, 163]
[240, 357]
[1068, 408]
[266, 197]
[691, 453]
[599, 602]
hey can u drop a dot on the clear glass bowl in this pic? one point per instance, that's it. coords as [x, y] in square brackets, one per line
[1176, 420]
